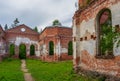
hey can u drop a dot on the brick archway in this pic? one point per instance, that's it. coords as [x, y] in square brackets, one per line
[32, 50]
[103, 20]
[22, 51]
[51, 48]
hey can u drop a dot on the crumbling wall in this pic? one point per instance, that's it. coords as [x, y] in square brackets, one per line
[85, 38]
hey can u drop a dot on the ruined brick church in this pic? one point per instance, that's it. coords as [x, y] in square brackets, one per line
[27, 37]
[61, 37]
[18, 35]
[92, 24]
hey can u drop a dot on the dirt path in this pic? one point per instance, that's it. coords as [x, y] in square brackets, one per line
[27, 75]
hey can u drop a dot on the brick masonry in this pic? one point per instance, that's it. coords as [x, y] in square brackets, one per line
[21, 34]
[2, 41]
[60, 37]
[85, 37]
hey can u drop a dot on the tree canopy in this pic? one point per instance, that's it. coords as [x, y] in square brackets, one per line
[35, 29]
[15, 22]
[6, 27]
[56, 22]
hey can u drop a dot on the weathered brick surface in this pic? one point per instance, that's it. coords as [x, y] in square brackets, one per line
[85, 34]
[60, 37]
[2, 41]
[107, 66]
[16, 36]
[66, 57]
[16, 32]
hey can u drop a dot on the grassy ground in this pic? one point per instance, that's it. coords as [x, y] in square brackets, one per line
[10, 70]
[60, 71]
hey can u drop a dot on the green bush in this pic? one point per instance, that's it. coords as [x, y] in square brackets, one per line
[70, 48]
[51, 48]
[32, 50]
[22, 51]
[12, 50]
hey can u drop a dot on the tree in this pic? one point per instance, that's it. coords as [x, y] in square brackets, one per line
[35, 29]
[6, 27]
[15, 22]
[56, 23]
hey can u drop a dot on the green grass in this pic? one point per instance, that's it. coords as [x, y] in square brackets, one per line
[10, 70]
[60, 71]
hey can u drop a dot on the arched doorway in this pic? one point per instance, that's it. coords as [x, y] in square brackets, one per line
[12, 50]
[70, 48]
[51, 48]
[22, 51]
[32, 50]
[104, 32]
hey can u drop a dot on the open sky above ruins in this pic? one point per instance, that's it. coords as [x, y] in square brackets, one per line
[38, 13]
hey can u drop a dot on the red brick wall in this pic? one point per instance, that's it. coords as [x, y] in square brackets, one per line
[16, 32]
[66, 57]
[87, 12]
[107, 66]
[55, 34]
[13, 33]
[83, 58]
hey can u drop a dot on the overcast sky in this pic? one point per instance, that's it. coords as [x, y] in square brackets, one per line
[40, 13]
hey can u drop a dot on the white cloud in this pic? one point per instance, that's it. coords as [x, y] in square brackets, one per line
[39, 13]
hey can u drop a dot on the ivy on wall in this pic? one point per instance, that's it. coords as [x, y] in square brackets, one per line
[108, 38]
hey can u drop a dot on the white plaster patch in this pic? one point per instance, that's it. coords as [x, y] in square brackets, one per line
[115, 10]
[44, 51]
[74, 49]
[87, 26]
[20, 40]
[89, 46]
[64, 50]
[57, 49]
[37, 53]
[116, 50]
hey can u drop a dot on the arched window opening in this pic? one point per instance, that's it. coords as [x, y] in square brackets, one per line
[104, 33]
[22, 51]
[51, 48]
[32, 50]
[12, 50]
[70, 48]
